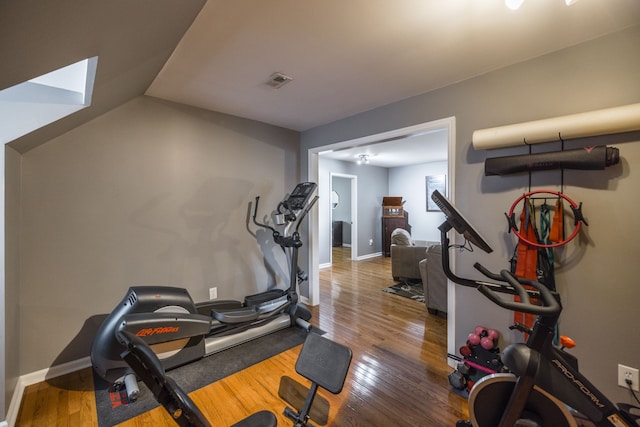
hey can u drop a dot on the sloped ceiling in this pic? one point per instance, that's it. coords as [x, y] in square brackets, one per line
[346, 57]
[132, 39]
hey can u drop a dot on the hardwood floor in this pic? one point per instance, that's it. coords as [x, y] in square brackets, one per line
[398, 375]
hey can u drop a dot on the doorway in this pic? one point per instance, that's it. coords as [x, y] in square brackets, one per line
[344, 223]
[314, 154]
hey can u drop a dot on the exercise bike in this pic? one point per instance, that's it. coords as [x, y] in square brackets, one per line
[544, 387]
[180, 331]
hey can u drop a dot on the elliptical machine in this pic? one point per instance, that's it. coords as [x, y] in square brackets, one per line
[180, 331]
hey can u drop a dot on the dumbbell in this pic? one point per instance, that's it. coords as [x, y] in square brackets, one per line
[457, 380]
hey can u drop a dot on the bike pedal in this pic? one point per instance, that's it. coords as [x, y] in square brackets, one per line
[632, 412]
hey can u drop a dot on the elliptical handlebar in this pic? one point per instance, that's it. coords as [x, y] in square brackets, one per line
[298, 199]
[259, 224]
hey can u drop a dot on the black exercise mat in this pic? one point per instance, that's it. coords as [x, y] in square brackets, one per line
[112, 405]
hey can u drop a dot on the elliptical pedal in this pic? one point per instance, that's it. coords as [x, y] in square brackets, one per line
[240, 315]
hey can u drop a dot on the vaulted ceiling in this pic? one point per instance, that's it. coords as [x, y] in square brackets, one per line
[345, 57]
[132, 39]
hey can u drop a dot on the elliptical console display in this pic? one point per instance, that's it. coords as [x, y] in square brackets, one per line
[300, 195]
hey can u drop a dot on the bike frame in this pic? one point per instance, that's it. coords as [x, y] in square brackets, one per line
[557, 373]
[539, 363]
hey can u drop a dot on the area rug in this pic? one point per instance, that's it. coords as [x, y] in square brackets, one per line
[413, 291]
[113, 407]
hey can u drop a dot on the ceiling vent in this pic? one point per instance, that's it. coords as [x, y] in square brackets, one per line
[277, 80]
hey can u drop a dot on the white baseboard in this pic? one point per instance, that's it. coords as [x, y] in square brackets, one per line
[35, 377]
[373, 255]
[360, 258]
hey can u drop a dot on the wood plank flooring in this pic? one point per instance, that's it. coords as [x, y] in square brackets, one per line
[398, 375]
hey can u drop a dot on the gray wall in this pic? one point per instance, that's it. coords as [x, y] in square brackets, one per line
[149, 193]
[409, 182]
[342, 212]
[596, 274]
[342, 186]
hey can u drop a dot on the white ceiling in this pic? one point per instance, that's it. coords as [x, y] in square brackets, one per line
[349, 56]
[422, 147]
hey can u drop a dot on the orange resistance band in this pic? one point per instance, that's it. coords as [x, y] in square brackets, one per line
[556, 233]
[526, 265]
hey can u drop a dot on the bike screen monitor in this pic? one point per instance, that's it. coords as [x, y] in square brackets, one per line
[457, 221]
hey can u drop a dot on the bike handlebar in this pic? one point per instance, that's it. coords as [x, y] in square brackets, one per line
[511, 284]
[550, 305]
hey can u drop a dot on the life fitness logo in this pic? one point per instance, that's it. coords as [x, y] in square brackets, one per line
[147, 332]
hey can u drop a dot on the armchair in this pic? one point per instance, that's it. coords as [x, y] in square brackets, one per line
[434, 281]
[406, 255]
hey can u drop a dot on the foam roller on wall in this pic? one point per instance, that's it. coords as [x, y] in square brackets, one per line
[593, 123]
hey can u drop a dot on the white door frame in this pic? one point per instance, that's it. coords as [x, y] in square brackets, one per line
[354, 211]
[314, 249]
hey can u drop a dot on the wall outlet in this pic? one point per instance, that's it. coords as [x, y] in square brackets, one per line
[626, 373]
[213, 293]
[370, 242]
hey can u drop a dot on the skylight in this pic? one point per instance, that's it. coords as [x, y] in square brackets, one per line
[38, 102]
